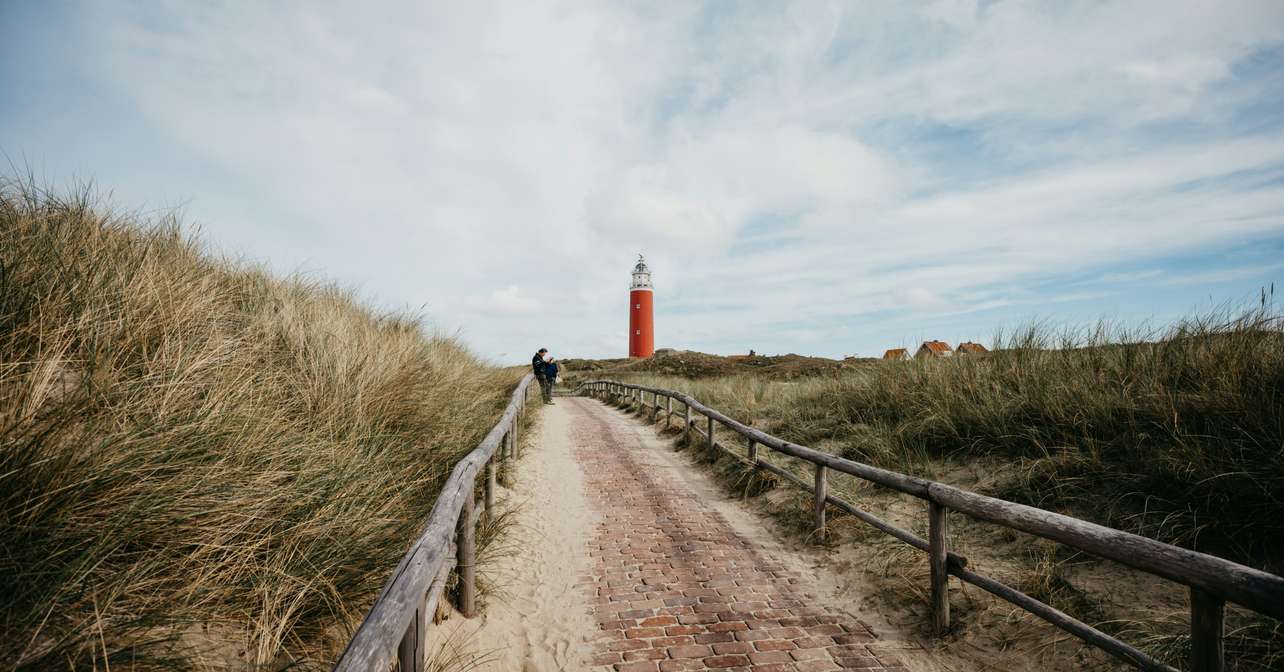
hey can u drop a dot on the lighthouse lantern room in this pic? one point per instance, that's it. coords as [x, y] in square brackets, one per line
[641, 325]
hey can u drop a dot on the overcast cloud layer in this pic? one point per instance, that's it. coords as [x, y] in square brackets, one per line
[825, 178]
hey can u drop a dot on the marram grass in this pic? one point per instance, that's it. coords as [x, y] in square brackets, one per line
[1176, 434]
[202, 465]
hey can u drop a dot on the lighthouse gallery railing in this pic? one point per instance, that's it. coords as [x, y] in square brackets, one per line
[1212, 580]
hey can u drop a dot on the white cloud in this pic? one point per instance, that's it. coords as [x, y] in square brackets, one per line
[919, 298]
[925, 157]
[1130, 276]
[511, 301]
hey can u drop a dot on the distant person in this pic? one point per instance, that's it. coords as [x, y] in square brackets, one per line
[550, 375]
[539, 364]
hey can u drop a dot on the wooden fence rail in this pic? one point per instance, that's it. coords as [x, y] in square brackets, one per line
[1212, 581]
[396, 625]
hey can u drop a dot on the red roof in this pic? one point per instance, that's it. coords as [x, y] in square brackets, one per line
[972, 347]
[937, 346]
[894, 353]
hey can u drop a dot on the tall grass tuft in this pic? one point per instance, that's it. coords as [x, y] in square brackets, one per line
[202, 465]
[1176, 434]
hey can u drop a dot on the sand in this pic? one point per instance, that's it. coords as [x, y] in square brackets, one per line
[539, 620]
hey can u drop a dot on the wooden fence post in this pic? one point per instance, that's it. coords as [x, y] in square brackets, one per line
[489, 511]
[465, 554]
[410, 652]
[506, 450]
[668, 411]
[517, 433]
[822, 494]
[686, 425]
[1206, 629]
[753, 451]
[937, 550]
[712, 456]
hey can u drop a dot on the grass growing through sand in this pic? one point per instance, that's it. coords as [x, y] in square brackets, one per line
[1177, 435]
[200, 464]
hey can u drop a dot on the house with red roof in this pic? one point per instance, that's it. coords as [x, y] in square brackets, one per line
[934, 349]
[897, 354]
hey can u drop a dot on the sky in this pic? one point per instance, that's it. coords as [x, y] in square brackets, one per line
[812, 177]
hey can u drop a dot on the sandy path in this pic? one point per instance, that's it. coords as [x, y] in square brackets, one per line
[630, 559]
[539, 621]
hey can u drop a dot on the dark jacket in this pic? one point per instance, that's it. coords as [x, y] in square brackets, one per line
[550, 370]
[538, 365]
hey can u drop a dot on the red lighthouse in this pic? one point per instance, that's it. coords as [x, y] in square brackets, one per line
[641, 325]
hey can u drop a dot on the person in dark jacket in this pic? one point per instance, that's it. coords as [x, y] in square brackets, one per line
[550, 374]
[539, 365]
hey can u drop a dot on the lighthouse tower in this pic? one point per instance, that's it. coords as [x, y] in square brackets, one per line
[641, 325]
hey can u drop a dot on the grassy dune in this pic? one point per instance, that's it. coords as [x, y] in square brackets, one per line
[1176, 435]
[201, 464]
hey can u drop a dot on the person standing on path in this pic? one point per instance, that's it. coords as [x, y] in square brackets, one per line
[539, 365]
[550, 373]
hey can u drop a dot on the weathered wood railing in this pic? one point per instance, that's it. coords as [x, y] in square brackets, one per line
[1212, 581]
[396, 625]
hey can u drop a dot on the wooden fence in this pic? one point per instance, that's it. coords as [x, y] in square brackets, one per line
[397, 623]
[1212, 581]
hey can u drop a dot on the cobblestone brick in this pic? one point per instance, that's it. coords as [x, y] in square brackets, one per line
[676, 589]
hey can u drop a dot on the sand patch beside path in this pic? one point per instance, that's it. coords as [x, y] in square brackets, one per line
[539, 620]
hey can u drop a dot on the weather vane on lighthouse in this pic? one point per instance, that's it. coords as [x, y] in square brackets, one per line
[641, 324]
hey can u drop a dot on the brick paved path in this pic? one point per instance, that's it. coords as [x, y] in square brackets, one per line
[674, 587]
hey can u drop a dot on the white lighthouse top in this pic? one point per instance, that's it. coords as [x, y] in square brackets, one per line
[641, 275]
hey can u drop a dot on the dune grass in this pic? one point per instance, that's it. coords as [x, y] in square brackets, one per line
[1176, 434]
[202, 465]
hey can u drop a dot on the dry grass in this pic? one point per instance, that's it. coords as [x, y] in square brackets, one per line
[202, 465]
[1177, 435]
